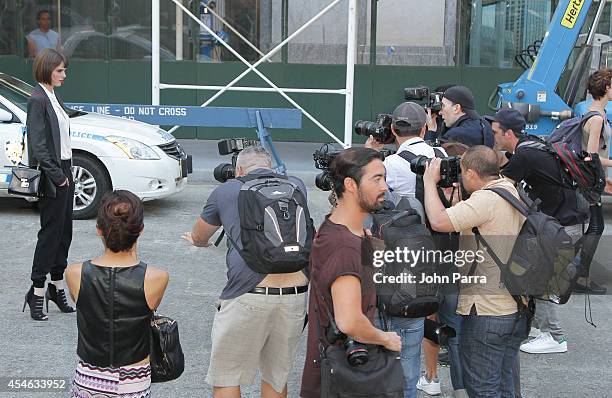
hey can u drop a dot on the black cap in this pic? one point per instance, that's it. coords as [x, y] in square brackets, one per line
[463, 96]
[509, 119]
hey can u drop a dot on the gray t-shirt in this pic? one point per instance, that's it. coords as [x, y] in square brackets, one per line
[222, 209]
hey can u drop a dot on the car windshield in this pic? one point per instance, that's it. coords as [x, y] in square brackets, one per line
[15, 90]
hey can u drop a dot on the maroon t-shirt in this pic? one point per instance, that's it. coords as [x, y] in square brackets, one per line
[336, 252]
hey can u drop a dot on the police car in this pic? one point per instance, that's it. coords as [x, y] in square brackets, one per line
[108, 152]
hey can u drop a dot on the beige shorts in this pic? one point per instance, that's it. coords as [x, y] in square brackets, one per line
[255, 332]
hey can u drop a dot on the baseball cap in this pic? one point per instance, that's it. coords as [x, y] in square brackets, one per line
[509, 119]
[463, 96]
[410, 113]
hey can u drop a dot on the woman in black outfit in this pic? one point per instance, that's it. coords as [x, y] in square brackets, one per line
[49, 147]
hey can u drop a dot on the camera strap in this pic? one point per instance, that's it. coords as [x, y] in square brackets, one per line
[320, 331]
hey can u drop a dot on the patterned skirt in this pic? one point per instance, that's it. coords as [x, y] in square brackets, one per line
[126, 382]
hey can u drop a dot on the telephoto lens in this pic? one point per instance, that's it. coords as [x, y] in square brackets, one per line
[356, 353]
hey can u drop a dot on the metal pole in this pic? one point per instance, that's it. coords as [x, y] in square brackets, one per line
[255, 89]
[373, 27]
[600, 9]
[285, 29]
[351, 52]
[261, 75]
[179, 34]
[155, 52]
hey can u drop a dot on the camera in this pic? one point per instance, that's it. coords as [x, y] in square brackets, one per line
[227, 171]
[450, 169]
[379, 129]
[431, 100]
[323, 158]
[438, 333]
[356, 353]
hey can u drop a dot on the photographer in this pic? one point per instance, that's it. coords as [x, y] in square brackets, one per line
[408, 127]
[259, 318]
[527, 160]
[341, 283]
[462, 121]
[486, 306]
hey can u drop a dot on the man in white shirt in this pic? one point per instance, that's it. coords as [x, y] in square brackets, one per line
[44, 36]
[409, 126]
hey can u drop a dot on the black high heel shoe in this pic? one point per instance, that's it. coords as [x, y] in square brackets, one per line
[58, 296]
[36, 305]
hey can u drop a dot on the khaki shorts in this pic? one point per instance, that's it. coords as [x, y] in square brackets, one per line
[255, 332]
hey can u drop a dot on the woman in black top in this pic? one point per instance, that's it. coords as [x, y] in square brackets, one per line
[115, 295]
[48, 132]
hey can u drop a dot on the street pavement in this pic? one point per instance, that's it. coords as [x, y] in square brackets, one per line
[197, 276]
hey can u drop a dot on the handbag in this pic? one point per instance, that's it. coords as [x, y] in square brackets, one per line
[166, 357]
[25, 181]
[381, 376]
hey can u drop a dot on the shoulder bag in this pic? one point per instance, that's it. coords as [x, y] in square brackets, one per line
[25, 180]
[167, 359]
[381, 376]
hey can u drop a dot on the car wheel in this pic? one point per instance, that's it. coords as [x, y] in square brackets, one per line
[90, 184]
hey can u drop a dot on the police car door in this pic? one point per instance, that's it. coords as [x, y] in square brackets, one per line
[11, 152]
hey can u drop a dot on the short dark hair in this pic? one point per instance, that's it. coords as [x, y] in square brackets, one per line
[121, 220]
[40, 13]
[45, 63]
[599, 82]
[350, 163]
[404, 129]
[482, 159]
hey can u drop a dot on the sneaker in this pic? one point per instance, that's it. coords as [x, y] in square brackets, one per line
[429, 387]
[545, 344]
[593, 288]
[534, 332]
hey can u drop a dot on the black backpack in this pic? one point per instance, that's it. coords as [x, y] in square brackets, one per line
[541, 262]
[404, 229]
[588, 178]
[570, 131]
[276, 230]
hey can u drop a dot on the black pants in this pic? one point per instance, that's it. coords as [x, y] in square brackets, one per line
[590, 240]
[55, 233]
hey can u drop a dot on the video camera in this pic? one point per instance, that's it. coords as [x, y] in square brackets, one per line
[450, 169]
[227, 171]
[422, 94]
[379, 129]
[323, 158]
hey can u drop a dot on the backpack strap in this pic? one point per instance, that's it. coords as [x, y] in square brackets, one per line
[254, 176]
[516, 203]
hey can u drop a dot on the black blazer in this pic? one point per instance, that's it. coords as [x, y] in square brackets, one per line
[44, 145]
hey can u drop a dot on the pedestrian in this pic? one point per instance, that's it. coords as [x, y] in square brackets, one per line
[43, 37]
[48, 131]
[115, 296]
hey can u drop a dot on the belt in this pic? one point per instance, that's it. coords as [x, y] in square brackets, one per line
[279, 291]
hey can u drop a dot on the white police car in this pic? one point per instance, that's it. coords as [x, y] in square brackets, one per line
[108, 152]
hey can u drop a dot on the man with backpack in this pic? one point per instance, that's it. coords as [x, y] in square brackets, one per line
[260, 313]
[409, 125]
[343, 295]
[528, 159]
[487, 307]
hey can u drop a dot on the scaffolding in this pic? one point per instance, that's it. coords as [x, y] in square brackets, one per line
[347, 91]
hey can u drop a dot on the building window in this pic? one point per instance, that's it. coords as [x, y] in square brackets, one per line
[411, 35]
[500, 30]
